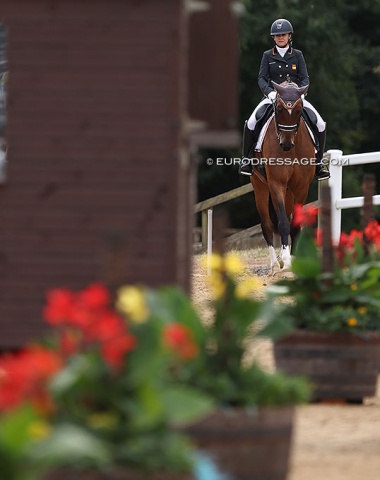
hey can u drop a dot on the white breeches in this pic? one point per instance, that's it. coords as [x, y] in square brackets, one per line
[252, 119]
[321, 124]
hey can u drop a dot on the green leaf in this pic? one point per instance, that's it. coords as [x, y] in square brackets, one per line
[306, 267]
[77, 369]
[73, 446]
[184, 405]
[275, 329]
[149, 409]
[305, 247]
[14, 428]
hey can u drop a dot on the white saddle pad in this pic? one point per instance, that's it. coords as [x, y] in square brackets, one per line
[264, 131]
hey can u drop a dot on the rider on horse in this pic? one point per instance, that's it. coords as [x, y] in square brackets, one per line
[281, 64]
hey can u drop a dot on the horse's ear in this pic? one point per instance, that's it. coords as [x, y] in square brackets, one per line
[276, 85]
[280, 89]
[303, 90]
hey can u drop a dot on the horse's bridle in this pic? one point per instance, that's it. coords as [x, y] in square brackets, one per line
[285, 128]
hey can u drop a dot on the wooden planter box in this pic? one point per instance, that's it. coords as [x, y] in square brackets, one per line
[247, 444]
[67, 474]
[341, 366]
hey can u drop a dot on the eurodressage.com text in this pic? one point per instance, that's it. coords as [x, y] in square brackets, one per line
[224, 161]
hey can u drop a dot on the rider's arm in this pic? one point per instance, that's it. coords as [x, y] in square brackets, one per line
[303, 76]
[263, 77]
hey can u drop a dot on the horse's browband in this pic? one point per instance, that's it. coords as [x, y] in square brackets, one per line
[289, 104]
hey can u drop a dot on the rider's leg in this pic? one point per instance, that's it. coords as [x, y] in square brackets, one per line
[250, 137]
[321, 173]
[249, 142]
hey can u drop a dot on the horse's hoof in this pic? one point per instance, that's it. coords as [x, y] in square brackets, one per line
[286, 267]
[276, 268]
[280, 262]
[287, 273]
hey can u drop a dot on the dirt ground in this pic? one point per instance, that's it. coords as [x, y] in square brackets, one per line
[330, 442]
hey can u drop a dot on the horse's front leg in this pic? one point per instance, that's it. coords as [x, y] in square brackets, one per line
[294, 232]
[262, 204]
[274, 263]
[284, 231]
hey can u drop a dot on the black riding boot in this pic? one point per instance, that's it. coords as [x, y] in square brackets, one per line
[249, 142]
[321, 172]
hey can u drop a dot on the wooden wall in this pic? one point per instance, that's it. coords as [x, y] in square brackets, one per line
[97, 165]
[214, 74]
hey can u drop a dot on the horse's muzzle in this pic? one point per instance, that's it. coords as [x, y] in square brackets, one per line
[286, 146]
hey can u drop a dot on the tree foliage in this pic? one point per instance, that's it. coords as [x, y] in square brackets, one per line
[341, 44]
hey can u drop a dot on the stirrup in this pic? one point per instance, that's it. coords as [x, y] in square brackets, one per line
[245, 167]
[321, 173]
[324, 175]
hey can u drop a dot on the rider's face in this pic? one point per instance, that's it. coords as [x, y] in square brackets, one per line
[282, 40]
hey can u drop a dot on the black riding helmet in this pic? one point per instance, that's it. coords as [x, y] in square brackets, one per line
[281, 25]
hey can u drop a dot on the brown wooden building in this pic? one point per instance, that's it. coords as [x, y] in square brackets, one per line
[99, 171]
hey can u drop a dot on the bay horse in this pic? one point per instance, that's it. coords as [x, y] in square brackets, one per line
[288, 154]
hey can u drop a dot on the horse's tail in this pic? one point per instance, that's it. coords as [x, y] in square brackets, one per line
[273, 215]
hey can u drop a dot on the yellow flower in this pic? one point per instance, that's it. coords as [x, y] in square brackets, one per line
[214, 262]
[39, 430]
[102, 420]
[217, 284]
[362, 310]
[131, 301]
[353, 286]
[233, 264]
[352, 322]
[248, 285]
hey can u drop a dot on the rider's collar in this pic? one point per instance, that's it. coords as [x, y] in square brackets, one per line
[276, 52]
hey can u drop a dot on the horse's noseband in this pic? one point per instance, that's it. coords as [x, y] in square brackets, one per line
[288, 104]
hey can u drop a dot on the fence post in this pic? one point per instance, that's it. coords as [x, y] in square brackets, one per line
[204, 221]
[209, 240]
[335, 184]
[325, 215]
[368, 189]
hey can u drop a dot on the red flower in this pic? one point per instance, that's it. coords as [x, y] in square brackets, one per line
[106, 326]
[304, 215]
[60, 306]
[114, 350]
[347, 241]
[87, 321]
[24, 377]
[372, 232]
[345, 251]
[179, 339]
[95, 296]
[70, 341]
[65, 307]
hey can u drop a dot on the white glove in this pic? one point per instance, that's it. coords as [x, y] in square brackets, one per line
[303, 97]
[272, 95]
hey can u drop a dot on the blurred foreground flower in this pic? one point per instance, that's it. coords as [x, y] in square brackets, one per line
[97, 393]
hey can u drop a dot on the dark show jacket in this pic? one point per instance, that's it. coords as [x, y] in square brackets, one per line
[279, 69]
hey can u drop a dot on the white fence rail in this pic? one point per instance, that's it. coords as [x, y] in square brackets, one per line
[337, 162]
